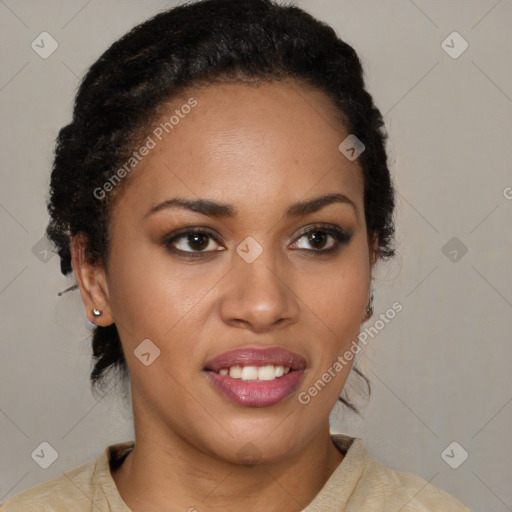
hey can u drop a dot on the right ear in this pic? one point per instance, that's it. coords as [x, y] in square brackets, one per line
[91, 279]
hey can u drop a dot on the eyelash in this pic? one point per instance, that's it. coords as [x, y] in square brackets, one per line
[340, 238]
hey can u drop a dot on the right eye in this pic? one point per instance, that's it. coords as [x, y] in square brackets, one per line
[196, 240]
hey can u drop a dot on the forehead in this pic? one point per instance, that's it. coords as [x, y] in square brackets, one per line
[274, 142]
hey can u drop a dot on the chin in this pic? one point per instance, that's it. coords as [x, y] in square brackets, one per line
[260, 442]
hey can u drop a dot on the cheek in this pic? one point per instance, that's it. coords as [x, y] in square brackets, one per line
[337, 306]
[151, 298]
[139, 291]
[337, 299]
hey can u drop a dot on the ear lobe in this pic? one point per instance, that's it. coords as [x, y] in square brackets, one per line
[92, 282]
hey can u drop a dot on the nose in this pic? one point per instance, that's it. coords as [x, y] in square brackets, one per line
[259, 296]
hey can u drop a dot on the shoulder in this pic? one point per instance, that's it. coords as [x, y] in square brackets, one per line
[377, 487]
[86, 488]
[407, 490]
[65, 492]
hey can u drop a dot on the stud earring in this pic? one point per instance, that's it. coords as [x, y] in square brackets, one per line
[369, 308]
[96, 312]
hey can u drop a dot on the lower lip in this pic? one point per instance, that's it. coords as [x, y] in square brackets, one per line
[256, 393]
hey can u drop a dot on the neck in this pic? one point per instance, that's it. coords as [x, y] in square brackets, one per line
[165, 472]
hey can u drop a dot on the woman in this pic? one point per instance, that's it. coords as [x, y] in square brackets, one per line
[221, 196]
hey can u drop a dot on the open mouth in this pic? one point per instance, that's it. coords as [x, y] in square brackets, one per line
[255, 377]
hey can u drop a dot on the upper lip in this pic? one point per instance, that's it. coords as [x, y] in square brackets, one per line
[251, 356]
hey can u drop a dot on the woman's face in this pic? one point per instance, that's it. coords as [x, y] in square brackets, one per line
[254, 277]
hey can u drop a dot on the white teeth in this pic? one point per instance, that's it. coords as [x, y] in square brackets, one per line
[235, 372]
[249, 373]
[267, 372]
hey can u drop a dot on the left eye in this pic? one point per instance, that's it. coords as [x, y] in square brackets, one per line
[318, 235]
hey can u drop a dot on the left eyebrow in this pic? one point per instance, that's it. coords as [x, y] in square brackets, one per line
[316, 204]
[215, 209]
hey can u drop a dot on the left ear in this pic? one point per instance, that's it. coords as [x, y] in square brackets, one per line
[373, 255]
[374, 249]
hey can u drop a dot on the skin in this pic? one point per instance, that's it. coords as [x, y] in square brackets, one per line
[259, 149]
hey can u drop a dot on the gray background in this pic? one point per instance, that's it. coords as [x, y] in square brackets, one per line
[440, 370]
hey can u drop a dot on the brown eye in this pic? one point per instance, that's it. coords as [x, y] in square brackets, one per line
[318, 238]
[197, 241]
[192, 243]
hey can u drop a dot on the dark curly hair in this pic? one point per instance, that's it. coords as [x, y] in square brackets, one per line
[194, 44]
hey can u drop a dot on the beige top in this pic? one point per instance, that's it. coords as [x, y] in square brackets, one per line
[359, 483]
